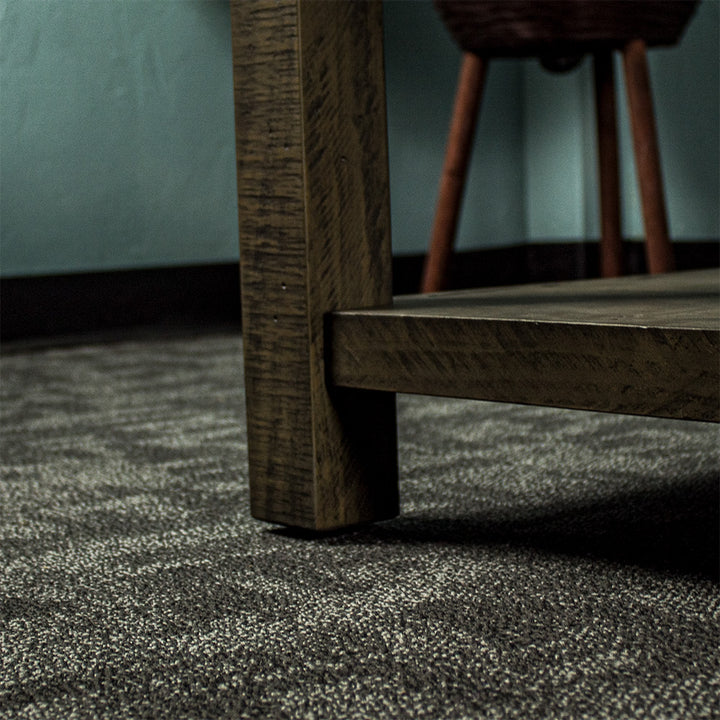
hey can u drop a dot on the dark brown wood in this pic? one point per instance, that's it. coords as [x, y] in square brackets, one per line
[452, 181]
[314, 237]
[536, 28]
[659, 251]
[611, 250]
[644, 345]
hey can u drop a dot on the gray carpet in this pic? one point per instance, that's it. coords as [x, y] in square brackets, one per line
[547, 564]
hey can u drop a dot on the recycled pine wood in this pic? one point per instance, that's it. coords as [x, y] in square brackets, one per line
[314, 237]
[647, 345]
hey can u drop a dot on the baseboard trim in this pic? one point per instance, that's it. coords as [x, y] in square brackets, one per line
[546, 262]
[95, 305]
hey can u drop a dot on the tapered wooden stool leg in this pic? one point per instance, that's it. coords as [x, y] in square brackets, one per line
[313, 198]
[658, 249]
[452, 181]
[611, 251]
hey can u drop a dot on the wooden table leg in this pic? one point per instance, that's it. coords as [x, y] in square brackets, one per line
[611, 250]
[452, 181]
[314, 237]
[659, 252]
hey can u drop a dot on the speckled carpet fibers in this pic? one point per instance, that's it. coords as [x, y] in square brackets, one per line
[547, 564]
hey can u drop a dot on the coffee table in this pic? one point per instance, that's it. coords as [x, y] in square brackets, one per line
[326, 346]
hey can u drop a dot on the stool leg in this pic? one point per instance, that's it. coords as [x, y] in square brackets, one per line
[452, 181]
[611, 251]
[658, 249]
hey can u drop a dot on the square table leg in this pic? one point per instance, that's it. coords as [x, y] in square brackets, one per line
[313, 199]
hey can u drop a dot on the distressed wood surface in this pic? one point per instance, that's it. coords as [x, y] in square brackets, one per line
[314, 237]
[647, 345]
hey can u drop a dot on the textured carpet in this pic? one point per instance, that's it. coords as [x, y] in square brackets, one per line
[547, 564]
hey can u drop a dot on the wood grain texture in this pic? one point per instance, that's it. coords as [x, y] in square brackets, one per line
[520, 28]
[314, 237]
[639, 345]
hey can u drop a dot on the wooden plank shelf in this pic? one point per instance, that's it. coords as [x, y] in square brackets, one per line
[646, 345]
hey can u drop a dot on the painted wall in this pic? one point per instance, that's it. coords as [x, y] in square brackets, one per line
[117, 147]
[422, 63]
[116, 135]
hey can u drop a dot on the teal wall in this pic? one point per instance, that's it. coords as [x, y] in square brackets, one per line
[116, 135]
[117, 147]
[560, 141]
[421, 73]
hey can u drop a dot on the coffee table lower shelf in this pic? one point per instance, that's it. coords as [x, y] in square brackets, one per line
[646, 345]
